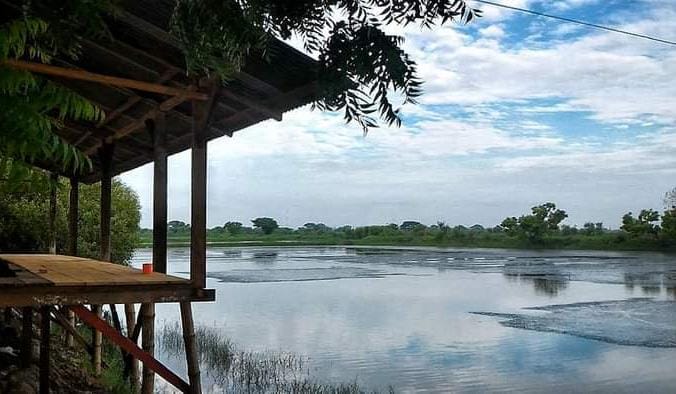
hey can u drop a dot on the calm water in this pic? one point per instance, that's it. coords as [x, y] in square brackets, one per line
[403, 317]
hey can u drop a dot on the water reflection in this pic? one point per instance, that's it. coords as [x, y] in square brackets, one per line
[401, 317]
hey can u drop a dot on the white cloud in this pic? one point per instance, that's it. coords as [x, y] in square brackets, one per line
[496, 158]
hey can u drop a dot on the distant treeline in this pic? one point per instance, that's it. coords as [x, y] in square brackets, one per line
[541, 228]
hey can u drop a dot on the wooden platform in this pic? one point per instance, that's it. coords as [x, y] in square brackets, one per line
[35, 280]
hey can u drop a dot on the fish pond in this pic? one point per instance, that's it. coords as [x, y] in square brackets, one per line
[429, 319]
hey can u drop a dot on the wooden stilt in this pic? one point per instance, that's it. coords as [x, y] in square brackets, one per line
[26, 336]
[192, 357]
[148, 344]
[45, 331]
[54, 179]
[97, 341]
[134, 378]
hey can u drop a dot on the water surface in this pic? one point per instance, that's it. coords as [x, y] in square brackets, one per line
[440, 320]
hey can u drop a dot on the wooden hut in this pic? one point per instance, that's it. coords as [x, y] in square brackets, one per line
[153, 109]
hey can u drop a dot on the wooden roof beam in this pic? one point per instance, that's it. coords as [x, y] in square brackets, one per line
[165, 106]
[131, 101]
[82, 75]
[258, 106]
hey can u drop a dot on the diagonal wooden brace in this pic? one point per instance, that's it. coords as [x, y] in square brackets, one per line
[129, 346]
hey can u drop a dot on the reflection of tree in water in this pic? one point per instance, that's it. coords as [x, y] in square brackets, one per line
[549, 285]
[232, 253]
[265, 257]
[671, 292]
[651, 290]
[650, 282]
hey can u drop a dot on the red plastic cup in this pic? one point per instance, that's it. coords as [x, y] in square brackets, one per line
[147, 268]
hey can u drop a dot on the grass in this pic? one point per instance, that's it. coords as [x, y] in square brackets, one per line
[610, 241]
[237, 370]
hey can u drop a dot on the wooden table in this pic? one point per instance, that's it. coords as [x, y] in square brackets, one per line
[46, 279]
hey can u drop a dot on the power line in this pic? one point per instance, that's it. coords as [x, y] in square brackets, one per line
[579, 22]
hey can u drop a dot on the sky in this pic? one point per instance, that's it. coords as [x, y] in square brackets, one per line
[517, 110]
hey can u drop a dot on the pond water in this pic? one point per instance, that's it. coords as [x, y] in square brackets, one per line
[442, 320]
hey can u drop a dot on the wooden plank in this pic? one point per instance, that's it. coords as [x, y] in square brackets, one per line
[78, 295]
[110, 333]
[159, 134]
[82, 75]
[63, 271]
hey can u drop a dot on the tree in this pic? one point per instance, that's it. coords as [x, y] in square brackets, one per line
[670, 200]
[233, 228]
[669, 224]
[643, 225]
[33, 107]
[23, 216]
[590, 228]
[359, 64]
[411, 225]
[267, 225]
[177, 227]
[544, 219]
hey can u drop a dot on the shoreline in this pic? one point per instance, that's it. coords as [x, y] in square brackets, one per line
[296, 243]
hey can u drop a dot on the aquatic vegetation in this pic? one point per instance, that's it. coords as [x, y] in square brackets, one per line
[239, 370]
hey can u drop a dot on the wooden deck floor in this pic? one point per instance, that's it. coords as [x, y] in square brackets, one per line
[34, 280]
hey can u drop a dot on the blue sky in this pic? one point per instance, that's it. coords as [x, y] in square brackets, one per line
[517, 110]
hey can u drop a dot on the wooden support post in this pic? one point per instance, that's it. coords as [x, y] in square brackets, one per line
[53, 182]
[45, 333]
[159, 133]
[201, 115]
[192, 357]
[106, 156]
[148, 345]
[134, 378]
[73, 217]
[26, 336]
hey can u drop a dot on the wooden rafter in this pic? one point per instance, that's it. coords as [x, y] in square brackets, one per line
[133, 100]
[82, 75]
[139, 123]
[259, 107]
